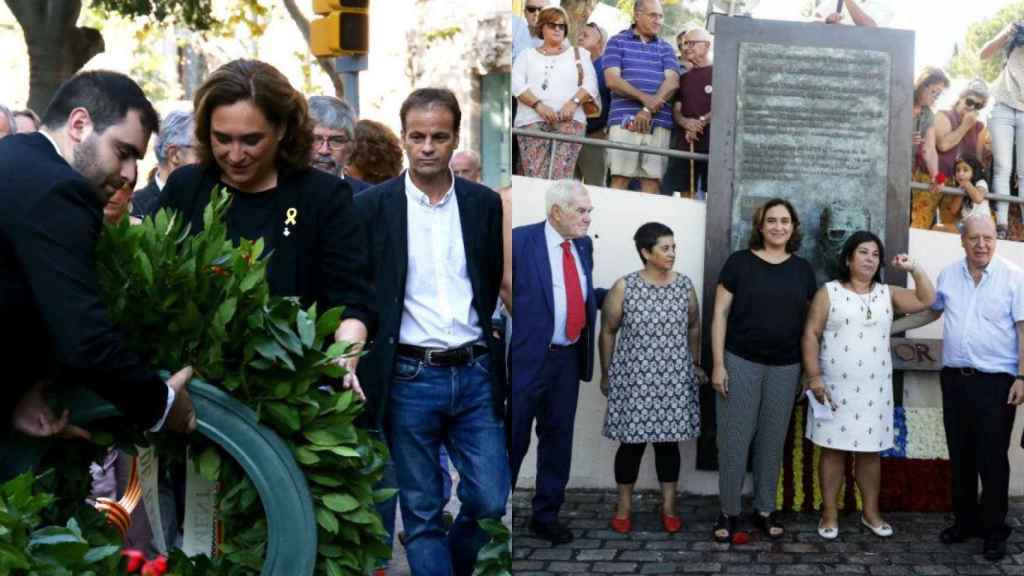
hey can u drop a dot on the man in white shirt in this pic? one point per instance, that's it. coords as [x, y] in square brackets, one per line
[981, 301]
[434, 374]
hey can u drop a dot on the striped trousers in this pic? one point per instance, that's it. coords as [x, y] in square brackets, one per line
[756, 411]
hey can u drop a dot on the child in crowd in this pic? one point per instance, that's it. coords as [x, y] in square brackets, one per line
[968, 173]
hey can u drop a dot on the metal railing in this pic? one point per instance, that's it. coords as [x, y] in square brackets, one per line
[556, 136]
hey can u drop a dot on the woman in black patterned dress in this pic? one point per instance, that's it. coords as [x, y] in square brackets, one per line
[649, 375]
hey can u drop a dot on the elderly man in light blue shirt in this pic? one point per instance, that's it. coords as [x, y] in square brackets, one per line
[981, 299]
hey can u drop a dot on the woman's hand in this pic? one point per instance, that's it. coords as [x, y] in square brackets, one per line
[817, 387]
[567, 111]
[720, 380]
[604, 385]
[702, 376]
[547, 113]
[903, 263]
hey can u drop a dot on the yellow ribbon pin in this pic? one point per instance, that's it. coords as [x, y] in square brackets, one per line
[290, 215]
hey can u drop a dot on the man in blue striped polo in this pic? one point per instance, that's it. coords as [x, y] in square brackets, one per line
[642, 73]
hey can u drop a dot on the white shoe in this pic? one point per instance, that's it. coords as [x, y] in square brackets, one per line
[883, 530]
[828, 533]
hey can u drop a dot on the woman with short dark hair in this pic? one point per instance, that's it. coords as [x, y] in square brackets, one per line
[253, 137]
[650, 375]
[846, 357]
[760, 305]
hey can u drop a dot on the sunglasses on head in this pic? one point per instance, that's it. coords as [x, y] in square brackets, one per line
[532, 9]
[973, 104]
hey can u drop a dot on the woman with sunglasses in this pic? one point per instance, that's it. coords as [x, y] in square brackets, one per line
[959, 133]
[1006, 123]
[551, 83]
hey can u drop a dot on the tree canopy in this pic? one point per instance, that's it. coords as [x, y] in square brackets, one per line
[966, 62]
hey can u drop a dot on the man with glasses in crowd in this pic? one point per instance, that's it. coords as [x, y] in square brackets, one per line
[691, 112]
[334, 124]
[642, 73]
[174, 149]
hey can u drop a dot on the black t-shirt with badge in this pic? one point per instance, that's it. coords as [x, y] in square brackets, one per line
[769, 307]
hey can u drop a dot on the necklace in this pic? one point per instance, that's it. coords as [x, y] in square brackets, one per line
[549, 65]
[865, 301]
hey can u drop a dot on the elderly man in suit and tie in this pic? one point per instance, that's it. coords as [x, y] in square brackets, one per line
[552, 344]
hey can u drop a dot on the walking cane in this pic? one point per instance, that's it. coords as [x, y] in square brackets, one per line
[693, 192]
[551, 160]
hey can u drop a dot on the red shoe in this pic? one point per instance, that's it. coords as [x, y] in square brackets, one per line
[672, 524]
[622, 525]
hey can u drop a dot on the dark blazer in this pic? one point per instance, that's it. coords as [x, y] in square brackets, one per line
[533, 307]
[356, 184]
[50, 221]
[322, 260]
[384, 209]
[146, 200]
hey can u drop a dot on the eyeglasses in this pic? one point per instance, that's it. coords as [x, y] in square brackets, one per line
[654, 15]
[564, 27]
[692, 43]
[333, 142]
[532, 9]
[973, 104]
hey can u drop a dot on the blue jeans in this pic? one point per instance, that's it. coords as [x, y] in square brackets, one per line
[429, 407]
[1006, 125]
[446, 474]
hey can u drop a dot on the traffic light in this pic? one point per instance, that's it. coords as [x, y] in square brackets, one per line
[342, 30]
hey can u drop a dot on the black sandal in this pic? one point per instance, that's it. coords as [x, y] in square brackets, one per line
[728, 523]
[766, 524]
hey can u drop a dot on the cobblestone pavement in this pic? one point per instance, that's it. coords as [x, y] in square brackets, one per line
[913, 550]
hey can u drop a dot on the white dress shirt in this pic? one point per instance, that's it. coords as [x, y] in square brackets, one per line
[438, 309]
[979, 321]
[170, 391]
[553, 240]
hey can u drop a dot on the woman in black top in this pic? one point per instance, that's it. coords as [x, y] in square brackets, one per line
[254, 137]
[760, 305]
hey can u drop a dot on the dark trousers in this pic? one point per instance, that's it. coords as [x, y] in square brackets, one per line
[551, 401]
[677, 178]
[978, 423]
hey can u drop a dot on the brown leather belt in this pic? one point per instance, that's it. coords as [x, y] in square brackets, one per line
[442, 357]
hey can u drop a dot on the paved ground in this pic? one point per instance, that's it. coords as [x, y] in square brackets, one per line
[914, 550]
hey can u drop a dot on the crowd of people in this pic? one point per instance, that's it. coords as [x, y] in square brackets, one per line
[645, 92]
[776, 337]
[413, 255]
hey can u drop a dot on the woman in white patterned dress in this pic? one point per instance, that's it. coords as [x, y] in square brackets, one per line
[847, 361]
[649, 375]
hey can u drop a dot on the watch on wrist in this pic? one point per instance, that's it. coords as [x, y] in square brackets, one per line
[648, 110]
[576, 100]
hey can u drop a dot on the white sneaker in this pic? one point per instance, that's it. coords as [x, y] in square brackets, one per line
[830, 533]
[883, 530]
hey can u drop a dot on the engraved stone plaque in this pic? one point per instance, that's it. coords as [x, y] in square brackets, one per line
[812, 127]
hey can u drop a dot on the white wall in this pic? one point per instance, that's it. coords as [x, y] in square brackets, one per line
[617, 215]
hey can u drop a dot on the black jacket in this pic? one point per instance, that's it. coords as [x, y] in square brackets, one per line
[321, 260]
[50, 221]
[146, 200]
[384, 209]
